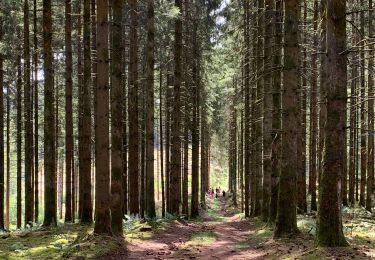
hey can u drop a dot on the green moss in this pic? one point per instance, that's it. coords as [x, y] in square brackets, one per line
[205, 238]
[62, 241]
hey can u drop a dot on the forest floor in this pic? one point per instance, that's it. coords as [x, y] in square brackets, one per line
[223, 233]
[220, 233]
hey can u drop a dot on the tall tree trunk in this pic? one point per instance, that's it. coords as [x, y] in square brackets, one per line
[124, 124]
[176, 122]
[36, 115]
[352, 150]
[150, 60]
[370, 118]
[247, 107]
[133, 111]
[323, 84]
[185, 183]
[233, 149]
[117, 197]
[301, 145]
[142, 206]
[49, 121]
[80, 97]
[29, 203]
[161, 145]
[187, 108]
[286, 221]
[102, 178]
[267, 109]
[85, 129]
[203, 150]
[194, 209]
[168, 139]
[314, 115]
[364, 131]
[68, 111]
[19, 138]
[329, 224]
[258, 110]
[2, 226]
[276, 115]
[7, 221]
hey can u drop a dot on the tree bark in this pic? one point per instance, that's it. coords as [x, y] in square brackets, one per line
[247, 113]
[161, 145]
[329, 224]
[286, 221]
[102, 176]
[364, 131]
[370, 118]
[314, 115]
[150, 60]
[36, 115]
[49, 121]
[2, 224]
[117, 196]
[29, 203]
[194, 209]
[19, 141]
[175, 174]
[267, 109]
[68, 111]
[133, 111]
[85, 129]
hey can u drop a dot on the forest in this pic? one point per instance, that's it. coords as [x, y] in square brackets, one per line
[187, 129]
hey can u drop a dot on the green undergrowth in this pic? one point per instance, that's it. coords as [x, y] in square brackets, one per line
[259, 234]
[204, 238]
[70, 240]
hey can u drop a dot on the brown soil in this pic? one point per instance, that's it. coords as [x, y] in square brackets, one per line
[236, 238]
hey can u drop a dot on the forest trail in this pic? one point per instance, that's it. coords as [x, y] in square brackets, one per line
[221, 233]
[217, 235]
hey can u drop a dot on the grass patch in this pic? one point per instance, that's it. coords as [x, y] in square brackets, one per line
[205, 238]
[70, 240]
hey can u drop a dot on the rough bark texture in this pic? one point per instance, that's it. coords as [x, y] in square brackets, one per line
[314, 116]
[194, 210]
[323, 84]
[150, 60]
[19, 141]
[364, 131]
[329, 224]
[85, 129]
[28, 149]
[133, 111]
[286, 221]
[68, 111]
[36, 115]
[7, 198]
[233, 150]
[267, 109]
[258, 110]
[49, 121]
[102, 176]
[1, 136]
[161, 145]
[117, 196]
[276, 115]
[301, 178]
[247, 114]
[175, 175]
[80, 87]
[370, 148]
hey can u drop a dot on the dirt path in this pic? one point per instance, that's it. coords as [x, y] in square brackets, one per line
[217, 236]
[222, 234]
